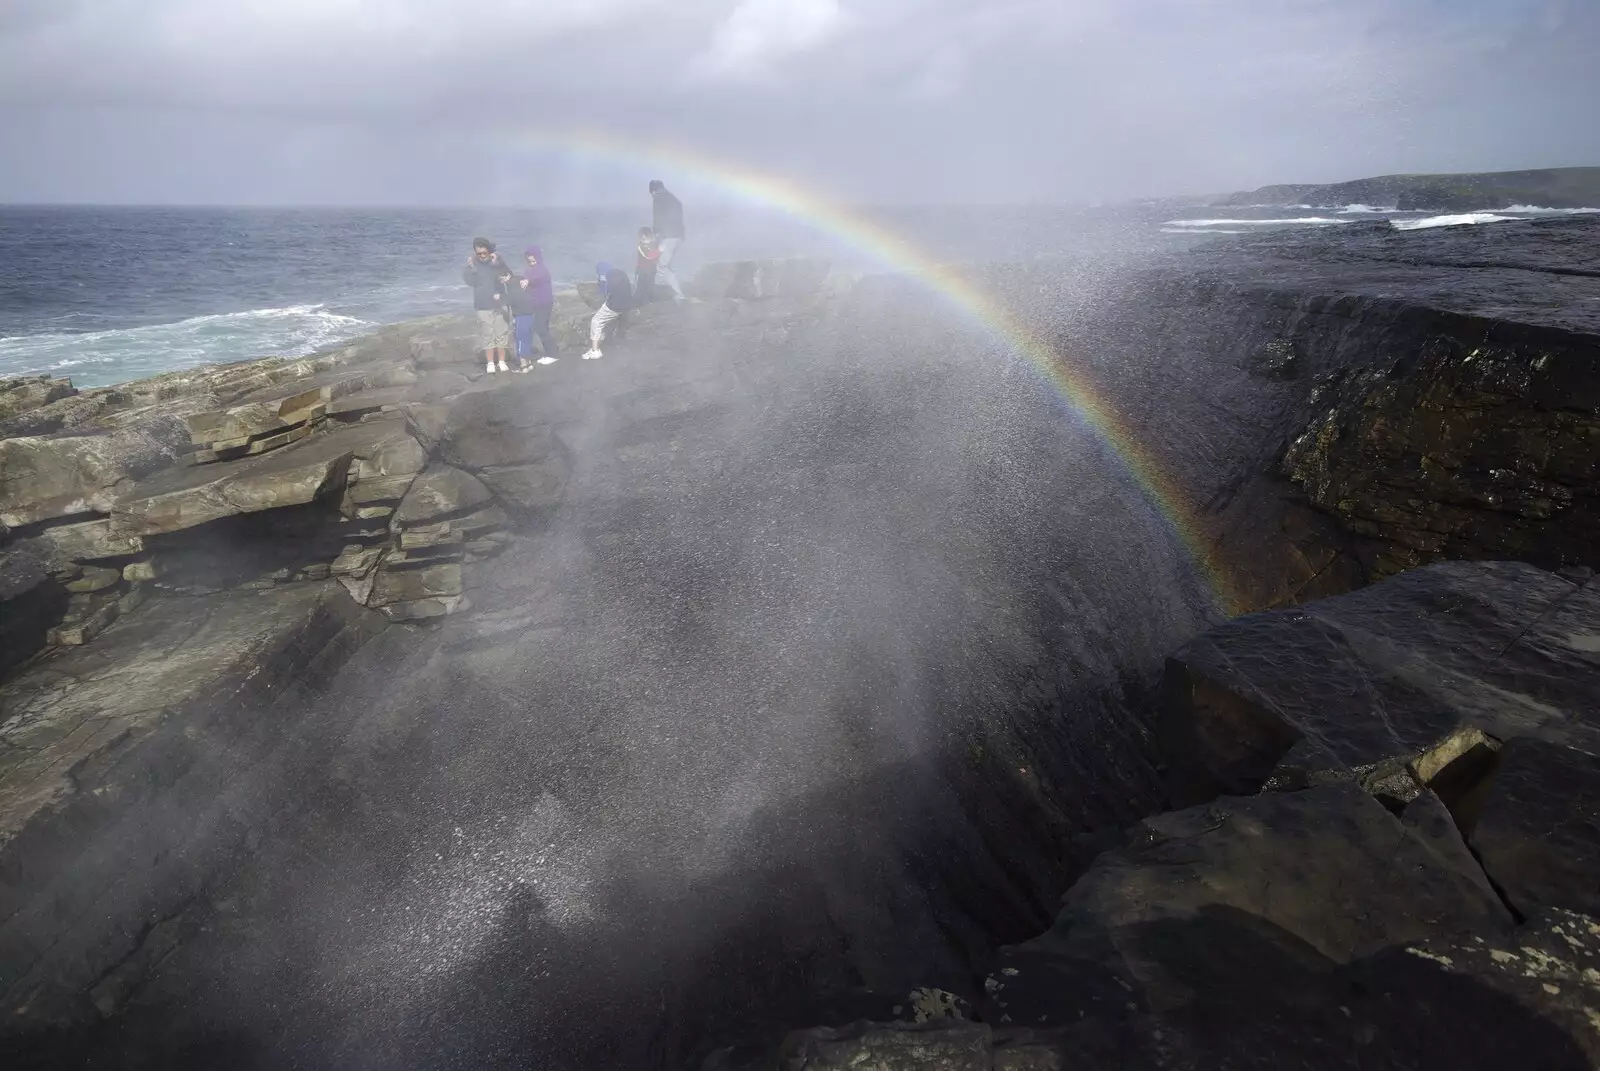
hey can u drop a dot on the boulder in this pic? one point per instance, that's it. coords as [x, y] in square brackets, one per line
[1384, 683]
[24, 395]
[1538, 829]
[528, 489]
[1546, 974]
[43, 479]
[185, 498]
[499, 428]
[1216, 898]
[299, 474]
[440, 493]
[435, 581]
[85, 541]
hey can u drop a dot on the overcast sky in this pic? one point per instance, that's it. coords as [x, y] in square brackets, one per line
[426, 101]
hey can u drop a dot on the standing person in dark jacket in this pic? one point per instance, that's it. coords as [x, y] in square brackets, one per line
[537, 278]
[617, 293]
[482, 273]
[667, 222]
[531, 298]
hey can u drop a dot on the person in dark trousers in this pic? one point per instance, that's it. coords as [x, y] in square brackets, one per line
[667, 222]
[541, 296]
[644, 268]
[482, 273]
[617, 295]
[519, 311]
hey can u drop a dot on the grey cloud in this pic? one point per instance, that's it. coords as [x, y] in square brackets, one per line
[876, 99]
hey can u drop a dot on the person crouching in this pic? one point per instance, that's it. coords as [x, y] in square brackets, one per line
[617, 293]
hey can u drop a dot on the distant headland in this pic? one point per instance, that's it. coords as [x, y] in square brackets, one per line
[1551, 187]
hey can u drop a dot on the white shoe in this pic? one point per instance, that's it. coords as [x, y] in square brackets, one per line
[592, 355]
[489, 367]
[503, 367]
[547, 360]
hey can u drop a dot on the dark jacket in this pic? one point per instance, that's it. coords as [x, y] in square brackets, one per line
[615, 288]
[667, 212]
[522, 300]
[484, 278]
[538, 276]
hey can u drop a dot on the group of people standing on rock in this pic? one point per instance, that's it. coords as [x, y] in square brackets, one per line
[512, 310]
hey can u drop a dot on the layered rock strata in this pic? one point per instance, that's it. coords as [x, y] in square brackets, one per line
[1405, 878]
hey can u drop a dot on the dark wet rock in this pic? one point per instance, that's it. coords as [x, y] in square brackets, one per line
[32, 601]
[1547, 970]
[441, 493]
[1277, 360]
[1394, 679]
[1538, 828]
[1323, 877]
[497, 429]
[528, 490]
[128, 724]
[1444, 405]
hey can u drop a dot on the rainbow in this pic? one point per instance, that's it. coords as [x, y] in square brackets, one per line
[894, 251]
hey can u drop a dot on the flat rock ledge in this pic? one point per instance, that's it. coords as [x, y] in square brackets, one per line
[391, 465]
[1391, 858]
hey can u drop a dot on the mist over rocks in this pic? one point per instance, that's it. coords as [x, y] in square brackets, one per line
[787, 666]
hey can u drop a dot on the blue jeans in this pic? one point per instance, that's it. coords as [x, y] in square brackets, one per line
[535, 323]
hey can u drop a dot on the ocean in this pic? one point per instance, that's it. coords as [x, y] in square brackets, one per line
[108, 294]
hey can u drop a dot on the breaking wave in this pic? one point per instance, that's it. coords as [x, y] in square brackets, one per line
[1459, 220]
[1535, 210]
[95, 358]
[1206, 223]
[1361, 209]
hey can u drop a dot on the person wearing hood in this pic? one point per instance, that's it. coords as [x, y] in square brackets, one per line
[667, 223]
[617, 295]
[482, 273]
[532, 297]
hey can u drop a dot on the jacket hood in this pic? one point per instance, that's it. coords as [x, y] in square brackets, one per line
[535, 252]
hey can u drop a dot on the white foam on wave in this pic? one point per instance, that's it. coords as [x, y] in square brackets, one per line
[95, 358]
[1535, 210]
[1197, 230]
[1358, 208]
[1301, 220]
[1460, 220]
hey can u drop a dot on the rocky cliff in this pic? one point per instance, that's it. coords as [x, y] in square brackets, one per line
[468, 715]
[790, 664]
[1553, 187]
[1361, 402]
[1401, 872]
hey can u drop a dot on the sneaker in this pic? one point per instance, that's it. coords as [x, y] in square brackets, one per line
[592, 355]
[547, 359]
[524, 368]
[489, 367]
[503, 367]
